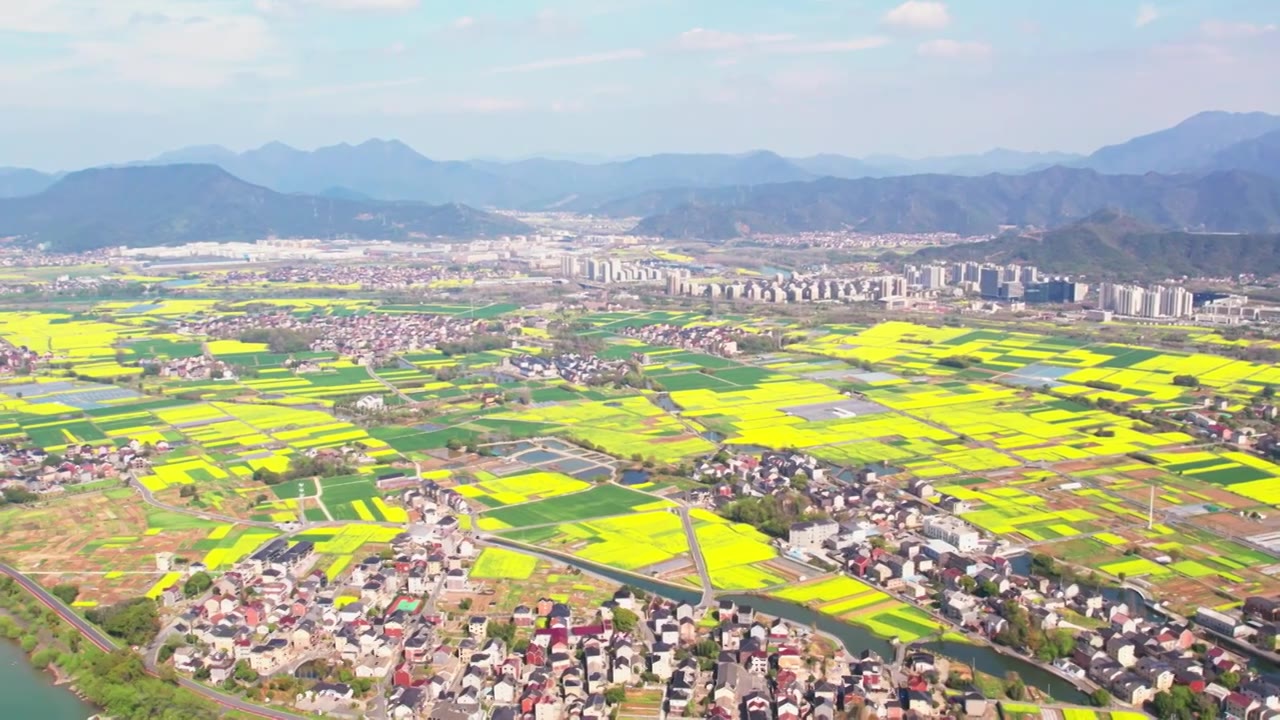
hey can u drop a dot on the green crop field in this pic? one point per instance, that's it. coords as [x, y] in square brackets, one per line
[502, 564]
[597, 502]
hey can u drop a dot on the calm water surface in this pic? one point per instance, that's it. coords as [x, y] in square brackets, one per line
[29, 693]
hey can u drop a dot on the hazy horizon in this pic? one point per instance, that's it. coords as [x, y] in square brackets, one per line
[90, 82]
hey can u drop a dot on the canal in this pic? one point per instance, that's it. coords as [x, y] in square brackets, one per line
[855, 638]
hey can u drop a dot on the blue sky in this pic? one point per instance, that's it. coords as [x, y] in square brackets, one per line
[93, 81]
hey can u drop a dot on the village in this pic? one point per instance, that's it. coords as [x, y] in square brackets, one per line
[368, 339]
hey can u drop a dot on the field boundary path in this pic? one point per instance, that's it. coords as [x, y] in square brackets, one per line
[106, 644]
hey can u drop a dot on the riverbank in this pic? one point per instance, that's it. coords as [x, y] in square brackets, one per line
[30, 692]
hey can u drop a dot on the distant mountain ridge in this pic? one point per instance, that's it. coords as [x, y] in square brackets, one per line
[1189, 146]
[1112, 244]
[1222, 201]
[173, 204]
[15, 182]
[390, 170]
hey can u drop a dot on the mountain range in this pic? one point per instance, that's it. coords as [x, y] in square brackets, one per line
[1111, 244]
[1229, 201]
[391, 170]
[174, 204]
[1215, 171]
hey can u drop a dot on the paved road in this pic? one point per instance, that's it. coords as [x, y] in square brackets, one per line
[700, 562]
[106, 644]
[399, 393]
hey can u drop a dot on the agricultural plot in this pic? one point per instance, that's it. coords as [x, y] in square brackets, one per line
[223, 549]
[622, 427]
[514, 489]
[736, 555]
[856, 602]
[108, 548]
[1237, 472]
[497, 563]
[600, 501]
[1140, 377]
[629, 542]
[348, 539]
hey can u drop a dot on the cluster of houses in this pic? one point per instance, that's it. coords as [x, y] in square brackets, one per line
[33, 469]
[712, 339]
[912, 543]
[570, 367]
[370, 339]
[381, 276]
[751, 476]
[199, 367]
[275, 611]
[19, 360]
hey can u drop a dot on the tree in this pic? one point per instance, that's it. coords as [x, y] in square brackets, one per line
[465, 604]
[66, 592]
[1100, 697]
[187, 491]
[1014, 687]
[1190, 381]
[135, 621]
[19, 496]
[615, 695]
[1229, 680]
[197, 584]
[624, 620]
[506, 632]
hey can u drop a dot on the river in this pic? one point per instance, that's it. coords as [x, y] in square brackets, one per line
[855, 638]
[30, 693]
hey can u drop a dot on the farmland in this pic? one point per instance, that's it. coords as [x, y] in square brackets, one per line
[856, 602]
[601, 501]
[1048, 442]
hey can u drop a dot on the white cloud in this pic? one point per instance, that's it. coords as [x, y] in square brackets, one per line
[572, 61]
[947, 48]
[1147, 14]
[832, 46]
[1223, 30]
[772, 44]
[68, 17]
[293, 6]
[464, 23]
[198, 52]
[919, 15]
[703, 39]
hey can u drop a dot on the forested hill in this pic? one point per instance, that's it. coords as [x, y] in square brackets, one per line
[1112, 244]
[173, 204]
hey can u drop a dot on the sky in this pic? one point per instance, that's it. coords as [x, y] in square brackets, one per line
[85, 82]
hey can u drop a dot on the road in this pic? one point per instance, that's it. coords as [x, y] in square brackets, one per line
[106, 644]
[399, 393]
[700, 562]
